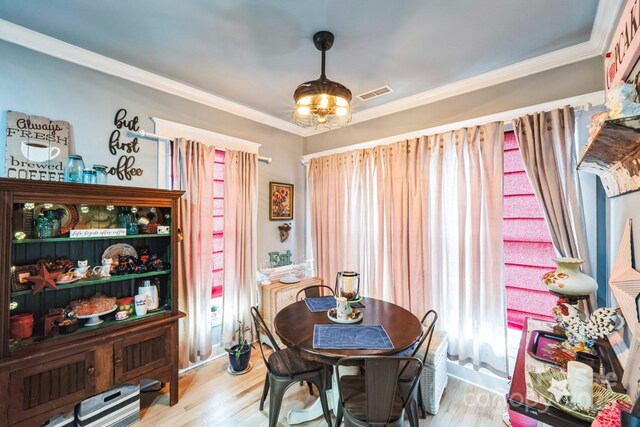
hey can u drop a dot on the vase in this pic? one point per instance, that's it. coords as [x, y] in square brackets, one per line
[568, 280]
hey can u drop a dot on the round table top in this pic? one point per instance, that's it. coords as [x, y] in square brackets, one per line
[294, 325]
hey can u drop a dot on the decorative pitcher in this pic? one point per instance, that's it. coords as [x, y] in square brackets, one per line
[568, 280]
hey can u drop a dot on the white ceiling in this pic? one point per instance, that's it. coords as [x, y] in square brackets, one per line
[255, 53]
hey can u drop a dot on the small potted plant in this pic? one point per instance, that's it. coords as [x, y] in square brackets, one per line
[240, 353]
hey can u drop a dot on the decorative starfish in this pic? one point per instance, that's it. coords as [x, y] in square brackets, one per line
[43, 280]
[559, 389]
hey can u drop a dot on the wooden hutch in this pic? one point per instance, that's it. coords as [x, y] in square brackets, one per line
[42, 376]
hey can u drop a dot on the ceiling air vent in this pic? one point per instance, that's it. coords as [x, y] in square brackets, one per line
[375, 93]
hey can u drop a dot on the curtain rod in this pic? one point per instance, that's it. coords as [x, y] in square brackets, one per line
[580, 102]
[148, 135]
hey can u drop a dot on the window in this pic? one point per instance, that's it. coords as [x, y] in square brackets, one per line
[527, 244]
[218, 233]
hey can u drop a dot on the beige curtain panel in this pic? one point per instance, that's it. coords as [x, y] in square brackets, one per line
[548, 148]
[421, 220]
[240, 240]
[192, 172]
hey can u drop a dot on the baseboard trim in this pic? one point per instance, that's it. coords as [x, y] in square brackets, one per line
[483, 379]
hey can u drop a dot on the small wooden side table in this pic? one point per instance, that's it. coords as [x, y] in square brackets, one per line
[277, 295]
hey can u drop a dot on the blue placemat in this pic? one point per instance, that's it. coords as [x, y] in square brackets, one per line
[351, 337]
[318, 304]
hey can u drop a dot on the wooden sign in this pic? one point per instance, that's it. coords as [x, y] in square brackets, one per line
[97, 232]
[280, 260]
[36, 148]
[624, 50]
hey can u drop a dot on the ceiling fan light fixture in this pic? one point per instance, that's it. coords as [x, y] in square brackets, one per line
[304, 111]
[322, 101]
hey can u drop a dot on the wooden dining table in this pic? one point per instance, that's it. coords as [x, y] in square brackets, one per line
[295, 323]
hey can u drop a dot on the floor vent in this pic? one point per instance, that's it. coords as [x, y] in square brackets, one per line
[375, 93]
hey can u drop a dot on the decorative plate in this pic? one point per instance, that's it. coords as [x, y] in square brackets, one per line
[69, 218]
[601, 396]
[64, 282]
[331, 314]
[119, 249]
[289, 280]
[97, 217]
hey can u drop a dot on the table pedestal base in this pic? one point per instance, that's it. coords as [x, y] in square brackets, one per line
[297, 416]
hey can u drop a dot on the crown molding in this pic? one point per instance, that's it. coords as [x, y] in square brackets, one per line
[605, 22]
[39, 42]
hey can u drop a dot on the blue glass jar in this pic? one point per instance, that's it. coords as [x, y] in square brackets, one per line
[73, 168]
[89, 176]
[126, 219]
[101, 174]
[132, 228]
[42, 227]
[53, 222]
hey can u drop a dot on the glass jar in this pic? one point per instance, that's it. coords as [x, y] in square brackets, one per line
[89, 176]
[101, 174]
[125, 219]
[53, 220]
[42, 227]
[73, 168]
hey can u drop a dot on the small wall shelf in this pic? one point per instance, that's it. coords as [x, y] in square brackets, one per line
[614, 155]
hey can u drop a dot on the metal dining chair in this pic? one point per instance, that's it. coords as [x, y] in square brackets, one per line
[371, 394]
[415, 394]
[284, 368]
[314, 291]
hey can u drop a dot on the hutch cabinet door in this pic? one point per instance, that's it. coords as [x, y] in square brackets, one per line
[141, 353]
[44, 386]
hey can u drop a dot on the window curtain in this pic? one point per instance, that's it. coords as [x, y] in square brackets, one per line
[547, 144]
[240, 240]
[421, 221]
[192, 172]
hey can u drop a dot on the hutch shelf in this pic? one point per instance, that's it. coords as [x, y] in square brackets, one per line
[44, 372]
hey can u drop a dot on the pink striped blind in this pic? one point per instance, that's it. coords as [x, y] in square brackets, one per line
[218, 224]
[527, 244]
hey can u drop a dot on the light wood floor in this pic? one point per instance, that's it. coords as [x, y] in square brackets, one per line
[209, 396]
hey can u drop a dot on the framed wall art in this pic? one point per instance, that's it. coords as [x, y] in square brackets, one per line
[281, 201]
